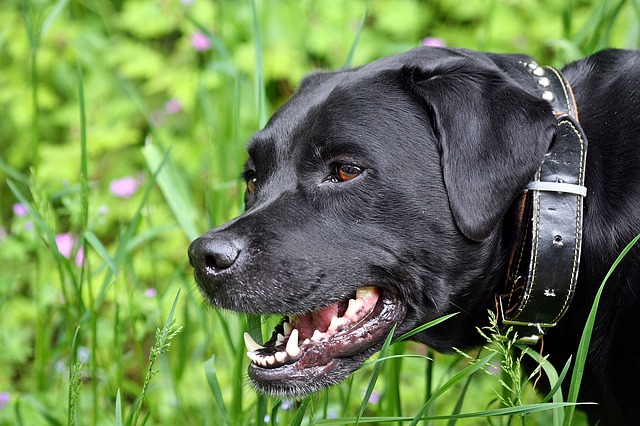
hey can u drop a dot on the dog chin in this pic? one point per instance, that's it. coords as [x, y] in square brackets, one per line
[309, 352]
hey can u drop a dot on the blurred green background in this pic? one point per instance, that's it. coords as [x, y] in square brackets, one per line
[96, 95]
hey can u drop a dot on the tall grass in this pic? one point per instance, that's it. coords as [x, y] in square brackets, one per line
[86, 328]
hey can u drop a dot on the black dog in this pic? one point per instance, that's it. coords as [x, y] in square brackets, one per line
[378, 196]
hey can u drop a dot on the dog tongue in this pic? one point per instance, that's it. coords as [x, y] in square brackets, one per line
[320, 320]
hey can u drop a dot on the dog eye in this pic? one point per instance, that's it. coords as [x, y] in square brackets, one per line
[345, 172]
[251, 180]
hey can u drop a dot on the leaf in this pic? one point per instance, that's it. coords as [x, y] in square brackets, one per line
[174, 187]
[214, 385]
[585, 340]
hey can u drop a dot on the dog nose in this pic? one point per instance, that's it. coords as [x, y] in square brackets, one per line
[213, 254]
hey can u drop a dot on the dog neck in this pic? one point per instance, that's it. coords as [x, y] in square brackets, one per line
[546, 235]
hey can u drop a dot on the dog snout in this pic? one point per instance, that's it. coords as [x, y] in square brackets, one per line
[210, 255]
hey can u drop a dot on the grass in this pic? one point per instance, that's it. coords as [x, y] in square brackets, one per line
[86, 328]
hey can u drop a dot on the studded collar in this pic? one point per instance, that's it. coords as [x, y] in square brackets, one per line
[547, 237]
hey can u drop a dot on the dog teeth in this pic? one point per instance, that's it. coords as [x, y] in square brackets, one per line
[251, 344]
[280, 356]
[318, 336]
[366, 292]
[355, 306]
[287, 328]
[292, 344]
[338, 323]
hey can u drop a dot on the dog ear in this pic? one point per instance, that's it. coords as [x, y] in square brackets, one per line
[492, 134]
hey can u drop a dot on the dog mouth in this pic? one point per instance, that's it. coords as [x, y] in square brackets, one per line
[308, 352]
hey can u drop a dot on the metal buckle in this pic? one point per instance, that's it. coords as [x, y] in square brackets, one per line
[528, 340]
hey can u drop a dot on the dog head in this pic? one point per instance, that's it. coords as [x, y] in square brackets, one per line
[375, 199]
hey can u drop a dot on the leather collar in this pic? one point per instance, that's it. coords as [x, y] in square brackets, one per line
[547, 237]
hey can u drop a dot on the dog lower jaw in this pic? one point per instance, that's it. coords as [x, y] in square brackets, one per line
[326, 358]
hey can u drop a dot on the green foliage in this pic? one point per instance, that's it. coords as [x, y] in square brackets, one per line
[166, 93]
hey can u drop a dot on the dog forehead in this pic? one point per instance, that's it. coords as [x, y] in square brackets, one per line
[332, 106]
[323, 103]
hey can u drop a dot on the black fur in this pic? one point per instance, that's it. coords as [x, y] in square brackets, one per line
[446, 140]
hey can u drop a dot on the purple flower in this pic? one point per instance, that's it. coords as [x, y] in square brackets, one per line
[433, 42]
[124, 187]
[66, 244]
[374, 398]
[200, 41]
[150, 292]
[173, 106]
[4, 399]
[20, 210]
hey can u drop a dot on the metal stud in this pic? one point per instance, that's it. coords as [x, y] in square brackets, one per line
[539, 72]
[548, 96]
[544, 82]
[532, 65]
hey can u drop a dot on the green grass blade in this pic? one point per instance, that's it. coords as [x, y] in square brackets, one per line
[118, 409]
[146, 236]
[424, 327]
[174, 188]
[127, 235]
[556, 390]
[302, 409]
[375, 374]
[50, 19]
[258, 76]
[214, 385]
[460, 401]
[74, 387]
[84, 168]
[466, 372]
[603, 41]
[591, 25]
[585, 340]
[555, 381]
[13, 173]
[356, 40]
[41, 409]
[254, 328]
[161, 345]
[498, 412]
[95, 243]
[384, 358]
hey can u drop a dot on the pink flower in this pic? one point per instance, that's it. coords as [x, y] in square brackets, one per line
[173, 106]
[4, 399]
[150, 292]
[433, 42]
[124, 187]
[200, 41]
[20, 210]
[66, 244]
